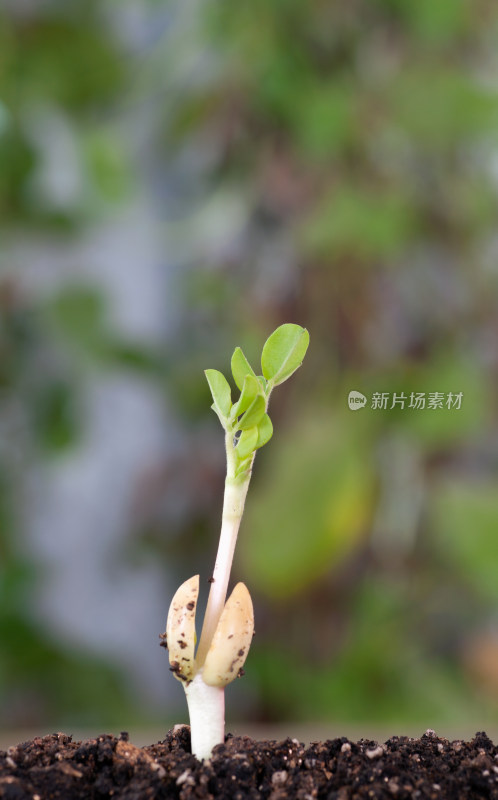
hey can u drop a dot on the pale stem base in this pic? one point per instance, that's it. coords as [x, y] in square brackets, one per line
[233, 508]
[206, 708]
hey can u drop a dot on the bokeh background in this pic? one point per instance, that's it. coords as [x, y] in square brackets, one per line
[177, 178]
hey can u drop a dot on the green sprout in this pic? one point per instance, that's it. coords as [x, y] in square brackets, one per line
[228, 626]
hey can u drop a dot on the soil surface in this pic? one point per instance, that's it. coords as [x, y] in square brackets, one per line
[55, 767]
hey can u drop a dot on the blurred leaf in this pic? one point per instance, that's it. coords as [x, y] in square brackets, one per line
[441, 426]
[79, 312]
[380, 673]
[131, 356]
[106, 164]
[282, 74]
[71, 58]
[465, 523]
[360, 222]
[17, 160]
[438, 23]
[55, 424]
[51, 679]
[311, 510]
[324, 124]
[440, 108]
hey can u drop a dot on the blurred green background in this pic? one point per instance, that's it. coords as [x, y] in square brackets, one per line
[177, 178]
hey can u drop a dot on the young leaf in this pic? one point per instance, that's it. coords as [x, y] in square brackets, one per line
[250, 390]
[265, 431]
[220, 389]
[244, 465]
[283, 352]
[254, 414]
[240, 367]
[247, 442]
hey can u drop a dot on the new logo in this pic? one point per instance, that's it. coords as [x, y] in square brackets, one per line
[356, 400]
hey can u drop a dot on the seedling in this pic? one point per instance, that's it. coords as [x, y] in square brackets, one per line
[228, 626]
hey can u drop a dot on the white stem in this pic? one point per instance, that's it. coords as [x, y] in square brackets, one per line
[233, 507]
[206, 704]
[206, 708]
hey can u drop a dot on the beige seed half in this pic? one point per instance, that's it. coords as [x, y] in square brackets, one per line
[180, 629]
[231, 640]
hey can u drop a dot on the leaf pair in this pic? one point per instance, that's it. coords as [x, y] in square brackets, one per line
[283, 353]
[250, 407]
[249, 417]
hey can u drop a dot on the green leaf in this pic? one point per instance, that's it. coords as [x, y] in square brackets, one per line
[250, 390]
[243, 468]
[254, 414]
[247, 442]
[240, 367]
[283, 352]
[220, 389]
[457, 508]
[265, 431]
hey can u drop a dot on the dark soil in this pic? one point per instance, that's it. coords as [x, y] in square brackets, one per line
[55, 767]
